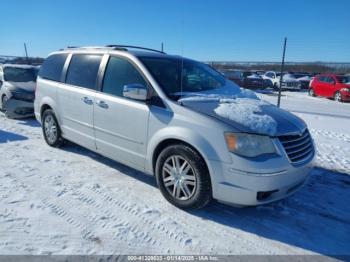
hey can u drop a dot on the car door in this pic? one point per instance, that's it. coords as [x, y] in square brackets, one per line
[76, 99]
[320, 85]
[330, 87]
[120, 123]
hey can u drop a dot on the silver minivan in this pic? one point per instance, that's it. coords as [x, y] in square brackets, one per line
[201, 135]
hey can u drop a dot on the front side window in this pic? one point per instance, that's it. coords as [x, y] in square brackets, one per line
[120, 73]
[321, 78]
[52, 67]
[15, 74]
[271, 75]
[330, 80]
[83, 70]
[177, 76]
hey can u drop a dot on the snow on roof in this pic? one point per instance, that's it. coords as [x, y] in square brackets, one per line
[19, 66]
[254, 76]
[305, 78]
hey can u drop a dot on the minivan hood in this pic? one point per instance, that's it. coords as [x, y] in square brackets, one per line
[287, 123]
[27, 86]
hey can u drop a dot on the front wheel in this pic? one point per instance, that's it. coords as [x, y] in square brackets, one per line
[337, 96]
[312, 92]
[51, 129]
[4, 100]
[183, 177]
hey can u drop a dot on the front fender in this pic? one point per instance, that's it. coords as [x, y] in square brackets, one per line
[196, 140]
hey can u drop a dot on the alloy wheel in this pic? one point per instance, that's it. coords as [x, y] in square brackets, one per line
[337, 97]
[50, 128]
[3, 106]
[179, 177]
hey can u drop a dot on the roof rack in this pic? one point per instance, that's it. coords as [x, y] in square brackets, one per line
[95, 47]
[115, 47]
[135, 47]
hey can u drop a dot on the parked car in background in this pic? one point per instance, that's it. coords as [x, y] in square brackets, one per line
[289, 81]
[331, 86]
[304, 79]
[347, 76]
[259, 72]
[164, 115]
[17, 86]
[234, 75]
[252, 80]
[247, 79]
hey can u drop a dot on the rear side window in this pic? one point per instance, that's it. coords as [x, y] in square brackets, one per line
[321, 78]
[52, 67]
[83, 70]
[120, 72]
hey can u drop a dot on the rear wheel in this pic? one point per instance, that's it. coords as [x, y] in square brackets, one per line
[183, 177]
[51, 129]
[312, 92]
[337, 96]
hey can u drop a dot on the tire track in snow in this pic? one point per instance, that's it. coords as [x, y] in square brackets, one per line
[331, 134]
[144, 232]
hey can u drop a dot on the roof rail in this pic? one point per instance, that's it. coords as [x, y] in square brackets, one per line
[95, 47]
[135, 47]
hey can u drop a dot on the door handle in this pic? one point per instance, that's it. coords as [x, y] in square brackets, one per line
[102, 104]
[87, 100]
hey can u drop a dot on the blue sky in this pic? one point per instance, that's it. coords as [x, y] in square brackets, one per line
[220, 30]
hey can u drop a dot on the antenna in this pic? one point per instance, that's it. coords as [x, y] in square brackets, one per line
[162, 47]
[25, 49]
[182, 53]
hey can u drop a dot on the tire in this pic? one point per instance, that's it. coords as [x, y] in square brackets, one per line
[311, 92]
[3, 102]
[275, 87]
[190, 190]
[337, 97]
[51, 130]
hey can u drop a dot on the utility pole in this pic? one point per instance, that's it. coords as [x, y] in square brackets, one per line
[25, 49]
[282, 69]
[162, 48]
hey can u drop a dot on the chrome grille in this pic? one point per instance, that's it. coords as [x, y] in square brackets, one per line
[298, 147]
[292, 84]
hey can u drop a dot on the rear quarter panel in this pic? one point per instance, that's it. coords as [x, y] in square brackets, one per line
[45, 94]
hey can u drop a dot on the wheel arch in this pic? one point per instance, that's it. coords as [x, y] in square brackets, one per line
[47, 103]
[181, 136]
[168, 142]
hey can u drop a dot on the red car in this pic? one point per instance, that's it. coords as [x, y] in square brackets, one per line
[331, 86]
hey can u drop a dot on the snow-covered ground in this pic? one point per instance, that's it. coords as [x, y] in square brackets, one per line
[73, 201]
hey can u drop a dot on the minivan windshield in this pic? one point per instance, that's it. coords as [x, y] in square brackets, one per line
[194, 76]
[16, 74]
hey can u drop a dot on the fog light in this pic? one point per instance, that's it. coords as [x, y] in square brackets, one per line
[265, 194]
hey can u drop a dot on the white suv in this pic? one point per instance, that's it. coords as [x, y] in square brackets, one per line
[201, 135]
[289, 81]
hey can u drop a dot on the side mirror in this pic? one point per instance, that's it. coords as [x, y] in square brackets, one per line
[135, 91]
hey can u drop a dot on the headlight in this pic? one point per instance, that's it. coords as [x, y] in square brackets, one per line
[345, 89]
[249, 145]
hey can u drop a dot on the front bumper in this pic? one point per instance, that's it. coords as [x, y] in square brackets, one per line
[260, 182]
[19, 109]
[291, 86]
[345, 96]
